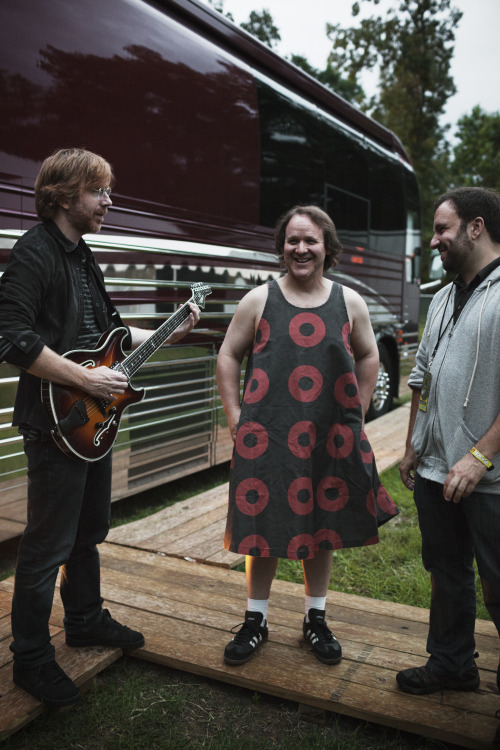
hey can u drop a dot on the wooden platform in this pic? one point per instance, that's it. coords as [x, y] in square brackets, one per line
[168, 576]
[187, 609]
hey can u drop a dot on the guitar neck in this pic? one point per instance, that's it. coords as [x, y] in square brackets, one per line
[144, 351]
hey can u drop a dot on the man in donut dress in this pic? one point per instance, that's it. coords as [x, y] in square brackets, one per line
[303, 478]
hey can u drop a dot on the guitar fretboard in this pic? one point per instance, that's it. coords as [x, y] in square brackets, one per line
[144, 351]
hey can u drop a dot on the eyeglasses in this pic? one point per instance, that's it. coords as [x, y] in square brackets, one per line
[101, 192]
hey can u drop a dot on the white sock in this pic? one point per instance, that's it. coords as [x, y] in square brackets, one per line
[314, 602]
[258, 605]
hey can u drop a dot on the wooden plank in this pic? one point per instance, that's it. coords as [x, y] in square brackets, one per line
[352, 687]
[152, 527]
[186, 611]
[387, 436]
[10, 529]
[18, 708]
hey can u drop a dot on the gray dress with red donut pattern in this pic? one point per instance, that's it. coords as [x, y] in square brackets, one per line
[303, 474]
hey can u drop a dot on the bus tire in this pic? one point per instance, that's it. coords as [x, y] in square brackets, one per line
[381, 402]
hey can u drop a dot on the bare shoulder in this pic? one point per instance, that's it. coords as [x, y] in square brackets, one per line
[356, 306]
[254, 301]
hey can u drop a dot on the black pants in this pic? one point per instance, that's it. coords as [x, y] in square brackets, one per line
[69, 504]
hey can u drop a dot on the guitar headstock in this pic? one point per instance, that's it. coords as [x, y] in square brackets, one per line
[199, 292]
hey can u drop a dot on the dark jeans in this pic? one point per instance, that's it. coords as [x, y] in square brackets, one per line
[452, 533]
[68, 515]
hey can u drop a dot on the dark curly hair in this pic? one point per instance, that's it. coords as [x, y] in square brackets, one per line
[471, 202]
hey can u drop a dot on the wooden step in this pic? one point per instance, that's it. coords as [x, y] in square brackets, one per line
[186, 611]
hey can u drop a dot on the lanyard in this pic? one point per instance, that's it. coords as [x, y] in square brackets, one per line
[442, 330]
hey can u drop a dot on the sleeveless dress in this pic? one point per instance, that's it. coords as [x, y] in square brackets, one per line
[303, 474]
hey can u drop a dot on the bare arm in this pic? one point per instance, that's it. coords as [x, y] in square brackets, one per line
[363, 345]
[466, 473]
[238, 340]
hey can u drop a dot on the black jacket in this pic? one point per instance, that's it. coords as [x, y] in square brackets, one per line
[41, 303]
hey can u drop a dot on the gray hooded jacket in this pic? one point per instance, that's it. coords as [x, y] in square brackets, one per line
[464, 397]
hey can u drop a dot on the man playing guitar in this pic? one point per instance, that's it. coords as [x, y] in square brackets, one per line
[53, 300]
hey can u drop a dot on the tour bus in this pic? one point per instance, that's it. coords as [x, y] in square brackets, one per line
[212, 136]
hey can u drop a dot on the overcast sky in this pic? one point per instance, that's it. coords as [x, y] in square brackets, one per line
[475, 66]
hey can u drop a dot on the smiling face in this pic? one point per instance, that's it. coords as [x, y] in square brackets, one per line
[304, 249]
[452, 241]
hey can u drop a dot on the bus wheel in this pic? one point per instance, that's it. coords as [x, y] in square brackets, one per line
[382, 395]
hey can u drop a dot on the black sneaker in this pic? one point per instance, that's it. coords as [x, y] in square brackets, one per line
[496, 738]
[251, 634]
[107, 632]
[421, 681]
[48, 683]
[324, 644]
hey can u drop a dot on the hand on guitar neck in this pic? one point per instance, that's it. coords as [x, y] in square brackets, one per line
[139, 335]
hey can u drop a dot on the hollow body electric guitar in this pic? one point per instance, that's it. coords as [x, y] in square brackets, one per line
[86, 427]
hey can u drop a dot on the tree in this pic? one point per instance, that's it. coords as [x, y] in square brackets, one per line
[412, 48]
[330, 77]
[476, 156]
[218, 5]
[261, 25]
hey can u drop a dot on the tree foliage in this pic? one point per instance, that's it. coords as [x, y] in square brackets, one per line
[411, 48]
[218, 5]
[331, 78]
[476, 156]
[261, 25]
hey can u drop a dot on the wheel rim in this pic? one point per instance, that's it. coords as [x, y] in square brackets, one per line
[382, 389]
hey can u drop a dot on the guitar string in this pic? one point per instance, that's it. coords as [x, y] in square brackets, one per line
[147, 348]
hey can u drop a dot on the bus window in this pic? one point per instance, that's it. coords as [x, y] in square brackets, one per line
[291, 160]
[388, 221]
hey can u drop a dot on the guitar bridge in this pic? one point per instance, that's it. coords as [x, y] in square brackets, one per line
[76, 417]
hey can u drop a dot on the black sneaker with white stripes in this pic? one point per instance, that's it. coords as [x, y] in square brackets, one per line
[251, 634]
[323, 643]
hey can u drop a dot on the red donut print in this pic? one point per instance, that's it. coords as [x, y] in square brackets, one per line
[384, 500]
[251, 440]
[256, 487]
[310, 337]
[344, 382]
[254, 542]
[261, 335]
[335, 483]
[370, 503]
[301, 547]
[371, 540]
[346, 336]
[334, 540]
[365, 449]
[301, 485]
[257, 386]
[343, 446]
[301, 393]
[308, 430]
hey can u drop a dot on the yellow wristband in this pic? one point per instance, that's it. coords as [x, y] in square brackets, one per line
[477, 454]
